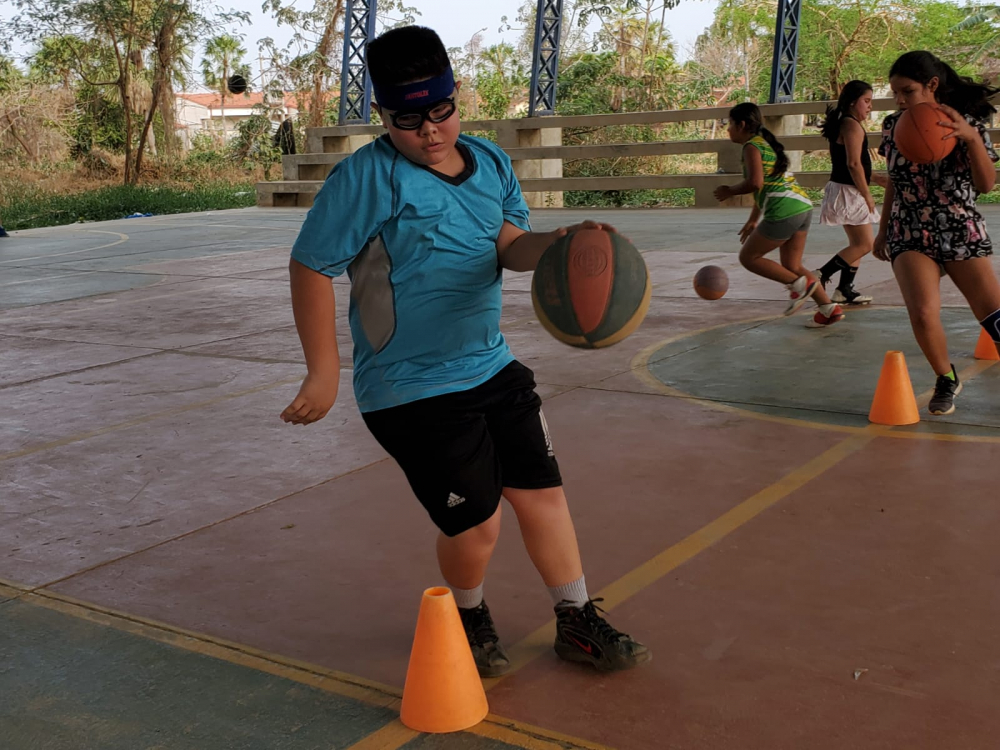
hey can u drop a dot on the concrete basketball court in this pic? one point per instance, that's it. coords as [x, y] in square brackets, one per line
[180, 569]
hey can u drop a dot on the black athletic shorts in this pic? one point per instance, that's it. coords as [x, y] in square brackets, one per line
[460, 449]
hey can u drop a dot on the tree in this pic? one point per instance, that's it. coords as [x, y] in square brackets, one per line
[746, 26]
[500, 79]
[223, 58]
[847, 39]
[127, 30]
[985, 17]
[308, 62]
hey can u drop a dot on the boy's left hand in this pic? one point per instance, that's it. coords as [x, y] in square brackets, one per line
[563, 231]
[961, 128]
[723, 193]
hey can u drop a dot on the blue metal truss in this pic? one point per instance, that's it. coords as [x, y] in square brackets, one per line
[355, 83]
[545, 63]
[786, 50]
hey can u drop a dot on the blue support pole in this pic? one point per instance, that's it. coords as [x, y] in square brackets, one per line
[545, 62]
[355, 83]
[786, 51]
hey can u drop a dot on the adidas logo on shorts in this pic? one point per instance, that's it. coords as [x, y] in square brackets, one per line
[454, 500]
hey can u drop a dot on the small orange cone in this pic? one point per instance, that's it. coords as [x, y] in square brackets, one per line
[985, 348]
[894, 403]
[443, 692]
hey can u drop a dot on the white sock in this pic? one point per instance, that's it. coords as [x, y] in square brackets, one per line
[827, 310]
[574, 592]
[468, 598]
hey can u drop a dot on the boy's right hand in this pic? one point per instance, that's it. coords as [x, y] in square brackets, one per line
[747, 230]
[316, 397]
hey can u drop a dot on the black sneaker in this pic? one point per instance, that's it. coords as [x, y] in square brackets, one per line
[491, 660]
[945, 390]
[583, 635]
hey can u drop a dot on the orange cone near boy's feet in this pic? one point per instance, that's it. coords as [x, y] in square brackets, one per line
[985, 348]
[443, 692]
[894, 403]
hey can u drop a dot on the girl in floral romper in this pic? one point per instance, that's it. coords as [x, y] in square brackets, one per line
[933, 226]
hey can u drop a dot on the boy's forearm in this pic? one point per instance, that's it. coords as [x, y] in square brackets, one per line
[314, 307]
[524, 252]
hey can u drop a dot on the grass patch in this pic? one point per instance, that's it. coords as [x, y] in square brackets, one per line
[26, 206]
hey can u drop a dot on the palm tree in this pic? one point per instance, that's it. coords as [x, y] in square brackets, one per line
[223, 57]
[982, 15]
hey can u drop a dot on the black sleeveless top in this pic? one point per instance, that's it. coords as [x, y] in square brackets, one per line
[838, 156]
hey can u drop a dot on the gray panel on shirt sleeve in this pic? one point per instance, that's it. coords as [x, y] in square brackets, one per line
[372, 295]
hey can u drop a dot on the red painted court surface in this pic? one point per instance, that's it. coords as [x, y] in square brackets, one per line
[804, 579]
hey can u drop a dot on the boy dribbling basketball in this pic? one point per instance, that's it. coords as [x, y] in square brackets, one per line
[424, 220]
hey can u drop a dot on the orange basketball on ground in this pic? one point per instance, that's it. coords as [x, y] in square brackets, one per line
[711, 282]
[591, 288]
[919, 137]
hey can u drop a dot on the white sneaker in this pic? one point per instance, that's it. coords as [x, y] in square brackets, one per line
[851, 297]
[799, 293]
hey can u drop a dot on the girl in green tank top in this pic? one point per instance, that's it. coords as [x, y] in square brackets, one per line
[780, 218]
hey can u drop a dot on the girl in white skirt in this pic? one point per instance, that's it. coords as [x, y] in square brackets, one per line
[847, 201]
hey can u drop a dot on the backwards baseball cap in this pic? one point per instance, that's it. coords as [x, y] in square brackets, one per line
[416, 95]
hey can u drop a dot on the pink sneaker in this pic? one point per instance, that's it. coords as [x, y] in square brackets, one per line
[799, 293]
[827, 315]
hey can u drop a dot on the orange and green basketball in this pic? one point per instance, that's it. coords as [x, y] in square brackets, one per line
[591, 289]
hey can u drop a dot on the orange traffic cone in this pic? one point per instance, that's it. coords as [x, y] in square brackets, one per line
[985, 348]
[894, 403]
[443, 692]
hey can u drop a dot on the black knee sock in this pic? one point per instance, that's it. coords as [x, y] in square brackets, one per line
[836, 263]
[847, 278]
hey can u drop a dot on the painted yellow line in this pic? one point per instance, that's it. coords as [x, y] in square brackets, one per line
[121, 238]
[395, 734]
[528, 736]
[540, 641]
[10, 592]
[143, 420]
[389, 737]
[330, 680]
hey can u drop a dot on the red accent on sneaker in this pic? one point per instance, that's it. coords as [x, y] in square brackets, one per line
[588, 648]
[820, 320]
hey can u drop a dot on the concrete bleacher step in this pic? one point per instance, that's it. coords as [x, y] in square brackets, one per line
[287, 193]
[309, 166]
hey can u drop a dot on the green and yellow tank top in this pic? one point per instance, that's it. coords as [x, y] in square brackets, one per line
[781, 197]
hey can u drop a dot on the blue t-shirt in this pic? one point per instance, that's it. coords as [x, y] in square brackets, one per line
[420, 250]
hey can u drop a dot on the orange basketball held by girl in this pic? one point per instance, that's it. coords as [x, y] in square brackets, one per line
[931, 225]
[780, 218]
